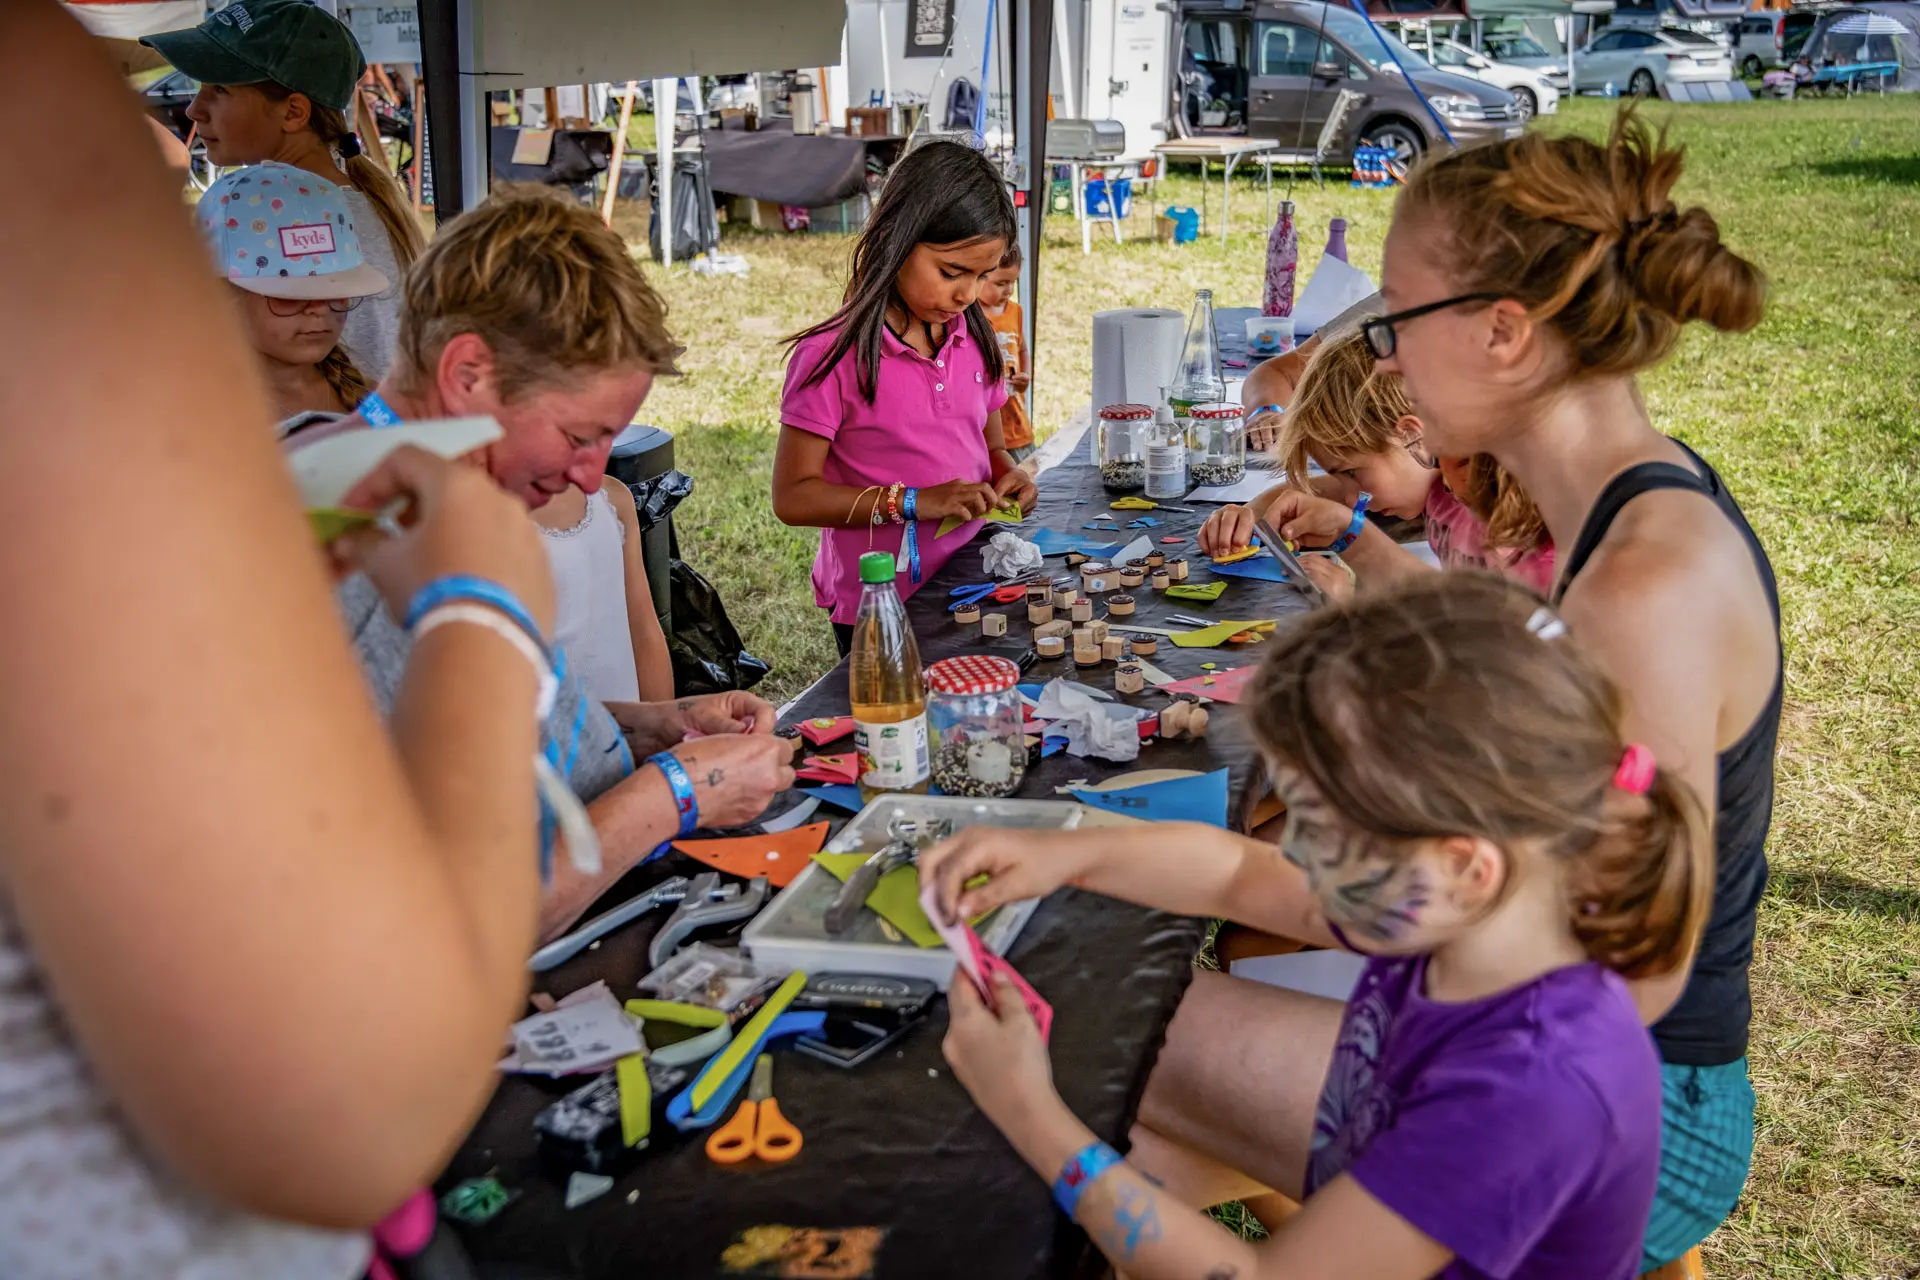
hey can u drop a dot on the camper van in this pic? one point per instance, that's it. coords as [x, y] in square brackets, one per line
[1175, 68]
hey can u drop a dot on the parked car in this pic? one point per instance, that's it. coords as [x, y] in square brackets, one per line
[1757, 43]
[1637, 61]
[1533, 94]
[1521, 50]
[1273, 70]
[167, 99]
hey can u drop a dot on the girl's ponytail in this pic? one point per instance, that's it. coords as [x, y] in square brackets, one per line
[1640, 896]
[383, 192]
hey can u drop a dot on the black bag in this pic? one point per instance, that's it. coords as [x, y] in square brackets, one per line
[696, 227]
[708, 654]
[963, 102]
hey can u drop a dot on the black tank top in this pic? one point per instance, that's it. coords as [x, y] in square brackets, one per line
[1708, 1026]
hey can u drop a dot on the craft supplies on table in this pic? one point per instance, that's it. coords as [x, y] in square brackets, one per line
[791, 932]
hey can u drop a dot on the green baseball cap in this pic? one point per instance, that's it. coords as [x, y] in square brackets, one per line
[294, 43]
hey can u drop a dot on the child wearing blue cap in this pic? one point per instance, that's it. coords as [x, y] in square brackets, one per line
[286, 242]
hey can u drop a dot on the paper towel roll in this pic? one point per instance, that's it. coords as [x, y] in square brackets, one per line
[1135, 352]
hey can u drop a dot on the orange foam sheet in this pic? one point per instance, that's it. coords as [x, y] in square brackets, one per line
[779, 857]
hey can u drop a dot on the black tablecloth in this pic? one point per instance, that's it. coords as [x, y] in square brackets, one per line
[783, 167]
[896, 1143]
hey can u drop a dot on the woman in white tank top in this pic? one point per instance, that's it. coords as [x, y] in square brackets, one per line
[605, 619]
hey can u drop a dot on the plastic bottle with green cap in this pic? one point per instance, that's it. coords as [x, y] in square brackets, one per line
[884, 686]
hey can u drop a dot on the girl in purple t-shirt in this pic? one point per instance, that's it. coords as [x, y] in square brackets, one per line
[1488, 1102]
[890, 421]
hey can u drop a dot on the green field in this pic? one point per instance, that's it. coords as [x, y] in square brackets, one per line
[1815, 421]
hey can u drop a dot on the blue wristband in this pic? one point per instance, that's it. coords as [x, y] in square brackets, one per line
[1259, 409]
[457, 587]
[908, 502]
[682, 787]
[377, 412]
[1353, 530]
[1086, 1164]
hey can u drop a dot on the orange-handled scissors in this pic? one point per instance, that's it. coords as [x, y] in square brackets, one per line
[757, 1128]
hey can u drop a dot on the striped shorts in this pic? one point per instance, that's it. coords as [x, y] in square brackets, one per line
[1706, 1144]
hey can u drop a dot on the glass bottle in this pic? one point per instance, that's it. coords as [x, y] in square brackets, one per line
[1283, 259]
[1198, 378]
[1337, 239]
[1122, 433]
[884, 685]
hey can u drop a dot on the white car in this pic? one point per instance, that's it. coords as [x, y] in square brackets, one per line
[1637, 61]
[1517, 49]
[1533, 94]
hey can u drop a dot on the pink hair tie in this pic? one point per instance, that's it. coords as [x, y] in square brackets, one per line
[1635, 773]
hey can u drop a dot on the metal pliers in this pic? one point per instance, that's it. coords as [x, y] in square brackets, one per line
[702, 902]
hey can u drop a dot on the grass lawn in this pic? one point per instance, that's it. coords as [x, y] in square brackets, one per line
[1815, 421]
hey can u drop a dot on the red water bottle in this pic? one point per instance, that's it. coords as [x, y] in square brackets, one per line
[1283, 259]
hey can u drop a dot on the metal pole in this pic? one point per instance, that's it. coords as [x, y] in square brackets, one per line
[666, 100]
[439, 89]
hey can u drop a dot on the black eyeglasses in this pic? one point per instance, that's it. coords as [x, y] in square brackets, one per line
[287, 308]
[1379, 333]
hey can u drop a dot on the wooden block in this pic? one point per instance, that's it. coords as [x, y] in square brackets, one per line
[1155, 559]
[1076, 558]
[1059, 628]
[1138, 562]
[1112, 647]
[1162, 580]
[1082, 609]
[1085, 639]
[1094, 586]
[967, 614]
[1146, 646]
[1093, 569]
[1130, 578]
[1129, 678]
[1038, 593]
[1120, 606]
[1063, 597]
[993, 624]
[1099, 629]
[1050, 646]
[1177, 568]
[1039, 613]
[1086, 656]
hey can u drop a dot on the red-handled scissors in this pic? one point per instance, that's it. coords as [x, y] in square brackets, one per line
[1002, 593]
[757, 1128]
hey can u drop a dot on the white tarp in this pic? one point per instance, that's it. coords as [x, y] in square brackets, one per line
[130, 21]
[523, 43]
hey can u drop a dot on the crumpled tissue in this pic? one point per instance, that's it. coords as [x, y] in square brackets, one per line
[1091, 728]
[1009, 556]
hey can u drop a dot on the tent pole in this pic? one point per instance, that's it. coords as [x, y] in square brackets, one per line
[666, 100]
[1031, 35]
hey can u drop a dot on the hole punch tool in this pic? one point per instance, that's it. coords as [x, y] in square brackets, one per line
[566, 947]
[705, 904]
[905, 838]
[1277, 546]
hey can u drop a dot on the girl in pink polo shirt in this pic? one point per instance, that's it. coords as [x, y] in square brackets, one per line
[890, 421]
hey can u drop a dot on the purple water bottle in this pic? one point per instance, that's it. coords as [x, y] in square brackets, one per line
[1337, 239]
[1283, 258]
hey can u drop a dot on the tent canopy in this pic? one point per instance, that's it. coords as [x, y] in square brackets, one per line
[522, 43]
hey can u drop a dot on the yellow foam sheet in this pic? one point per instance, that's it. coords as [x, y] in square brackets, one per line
[329, 523]
[1008, 512]
[896, 898]
[1218, 633]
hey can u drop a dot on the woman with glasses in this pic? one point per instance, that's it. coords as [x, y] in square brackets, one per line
[287, 243]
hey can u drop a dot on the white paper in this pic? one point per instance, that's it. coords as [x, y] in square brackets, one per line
[325, 470]
[1138, 549]
[1335, 286]
[1249, 487]
[1424, 550]
[587, 1031]
[1008, 555]
[1091, 728]
[1332, 974]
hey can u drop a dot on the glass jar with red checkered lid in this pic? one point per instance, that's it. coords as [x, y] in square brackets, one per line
[1120, 438]
[974, 726]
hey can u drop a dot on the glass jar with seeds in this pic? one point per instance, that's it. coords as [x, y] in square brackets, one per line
[974, 723]
[1216, 445]
[1121, 439]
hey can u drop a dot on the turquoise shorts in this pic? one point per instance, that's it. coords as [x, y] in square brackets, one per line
[1706, 1144]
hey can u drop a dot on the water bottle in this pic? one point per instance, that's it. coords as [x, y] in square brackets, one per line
[884, 686]
[1283, 259]
[1337, 239]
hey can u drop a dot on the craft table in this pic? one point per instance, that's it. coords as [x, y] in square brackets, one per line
[896, 1143]
[1228, 151]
